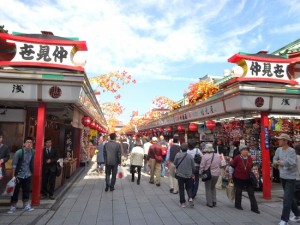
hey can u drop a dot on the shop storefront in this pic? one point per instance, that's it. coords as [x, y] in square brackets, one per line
[261, 94]
[46, 93]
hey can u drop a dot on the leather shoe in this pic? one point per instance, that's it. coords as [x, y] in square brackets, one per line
[138, 182]
[157, 185]
[171, 190]
[51, 197]
[175, 192]
[239, 207]
[106, 189]
[256, 211]
[214, 204]
[151, 182]
[210, 206]
[112, 188]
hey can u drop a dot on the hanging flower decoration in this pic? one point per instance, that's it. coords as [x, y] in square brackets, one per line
[163, 102]
[112, 81]
[201, 91]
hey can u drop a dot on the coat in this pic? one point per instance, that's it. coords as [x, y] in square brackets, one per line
[112, 153]
[4, 154]
[53, 156]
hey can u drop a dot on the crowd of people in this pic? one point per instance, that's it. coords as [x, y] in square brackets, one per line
[186, 163]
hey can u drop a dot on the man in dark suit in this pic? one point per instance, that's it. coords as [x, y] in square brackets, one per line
[112, 158]
[50, 157]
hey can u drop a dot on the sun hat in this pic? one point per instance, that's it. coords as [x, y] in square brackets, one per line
[154, 139]
[244, 147]
[208, 148]
[284, 136]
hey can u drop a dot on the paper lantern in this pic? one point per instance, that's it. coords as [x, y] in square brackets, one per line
[161, 130]
[169, 129]
[193, 127]
[210, 124]
[86, 121]
[179, 128]
[93, 125]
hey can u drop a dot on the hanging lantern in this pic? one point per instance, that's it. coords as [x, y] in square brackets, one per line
[86, 121]
[193, 127]
[169, 129]
[179, 128]
[161, 130]
[210, 124]
[93, 125]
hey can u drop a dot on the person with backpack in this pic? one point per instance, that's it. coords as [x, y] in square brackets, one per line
[22, 170]
[197, 156]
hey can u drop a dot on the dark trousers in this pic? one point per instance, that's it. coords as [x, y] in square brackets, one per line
[195, 183]
[187, 184]
[289, 202]
[132, 170]
[25, 185]
[111, 170]
[238, 195]
[48, 179]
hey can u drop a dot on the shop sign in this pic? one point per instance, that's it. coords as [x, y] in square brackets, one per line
[238, 103]
[285, 104]
[52, 93]
[266, 133]
[55, 92]
[18, 91]
[266, 70]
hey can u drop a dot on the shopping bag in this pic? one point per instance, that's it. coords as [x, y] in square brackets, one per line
[58, 169]
[230, 190]
[10, 187]
[223, 161]
[121, 172]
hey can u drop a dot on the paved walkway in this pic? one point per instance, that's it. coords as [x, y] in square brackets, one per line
[84, 201]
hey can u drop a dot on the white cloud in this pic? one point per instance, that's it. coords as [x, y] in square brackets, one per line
[289, 28]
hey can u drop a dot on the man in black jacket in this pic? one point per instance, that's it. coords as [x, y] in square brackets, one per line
[4, 154]
[50, 157]
[112, 158]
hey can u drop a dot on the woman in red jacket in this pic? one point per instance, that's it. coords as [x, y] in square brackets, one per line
[242, 164]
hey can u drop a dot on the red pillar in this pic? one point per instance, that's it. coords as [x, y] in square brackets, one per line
[38, 159]
[264, 143]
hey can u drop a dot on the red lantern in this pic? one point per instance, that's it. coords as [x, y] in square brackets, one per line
[210, 124]
[179, 128]
[193, 127]
[86, 121]
[161, 130]
[169, 129]
[93, 125]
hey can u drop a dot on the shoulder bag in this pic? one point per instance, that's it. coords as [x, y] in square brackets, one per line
[206, 174]
[176, 176]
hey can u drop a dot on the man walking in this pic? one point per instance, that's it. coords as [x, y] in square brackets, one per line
[50, 157]
[155, 158]
[22, 169]
[112, 158]
[285, 158]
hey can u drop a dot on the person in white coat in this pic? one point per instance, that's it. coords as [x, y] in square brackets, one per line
[136, 160]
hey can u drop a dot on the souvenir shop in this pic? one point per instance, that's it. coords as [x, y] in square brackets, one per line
[46, 93]
[258, 101]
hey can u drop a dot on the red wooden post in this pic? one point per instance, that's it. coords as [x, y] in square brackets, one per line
[38, 159]
[264, 142]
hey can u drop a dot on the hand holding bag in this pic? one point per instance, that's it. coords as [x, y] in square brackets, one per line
[121, 172]
[10, 187]
[206, 174]
[230, 190]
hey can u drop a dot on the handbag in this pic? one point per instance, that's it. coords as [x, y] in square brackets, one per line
[230, 190]
[253, 179]
[176, 176]
[58, 169]
[197, 157]
[206, 174]
[10, 187]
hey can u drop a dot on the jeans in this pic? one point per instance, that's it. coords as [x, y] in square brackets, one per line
[163, 168]
[289, 202]
[111, 170]
[25, 185]
[187, 184]
[195, 183]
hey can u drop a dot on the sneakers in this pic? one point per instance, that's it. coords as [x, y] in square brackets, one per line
[28, 208]
[191, 202]
[282, 223]
[12, 210]
[182, 205]
[295, 218]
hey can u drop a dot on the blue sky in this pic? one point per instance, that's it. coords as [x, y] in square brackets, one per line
[164, 44]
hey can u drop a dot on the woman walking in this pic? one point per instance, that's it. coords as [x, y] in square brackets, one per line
[136, 160]
[185, 169]
[212, 160]
[242, 165]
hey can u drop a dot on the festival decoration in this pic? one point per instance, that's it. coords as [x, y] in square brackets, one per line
[169, 129]
[210, 124]
[179, 128]
[164, 102]
[86, 121]
[201, 91]
[193, 127]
